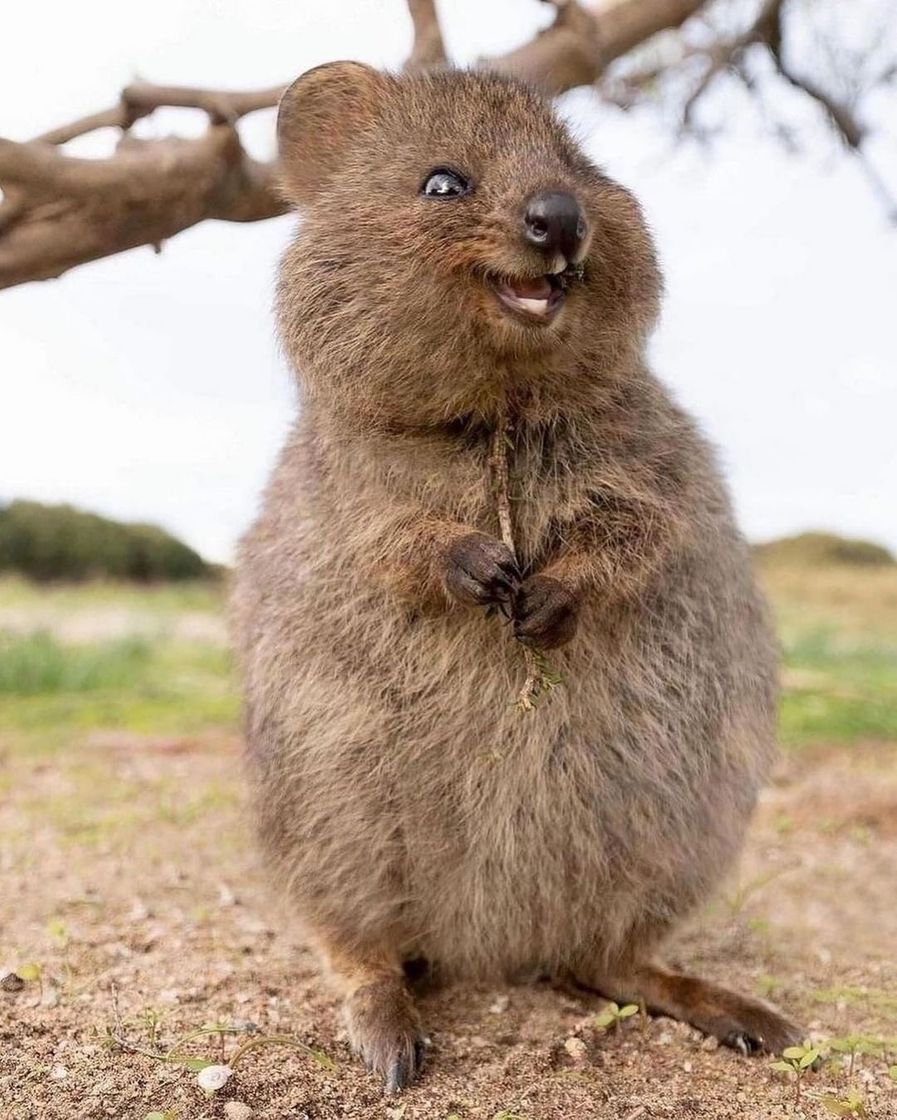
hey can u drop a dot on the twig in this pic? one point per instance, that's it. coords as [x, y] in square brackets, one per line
[539, 677]
[140, 99]
[133, 1048]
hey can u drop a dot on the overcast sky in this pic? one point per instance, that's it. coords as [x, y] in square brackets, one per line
[150, 388]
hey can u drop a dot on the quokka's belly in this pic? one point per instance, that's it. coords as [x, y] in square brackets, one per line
[614, 807]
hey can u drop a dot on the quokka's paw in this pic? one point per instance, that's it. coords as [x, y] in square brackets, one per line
[384, 1031]
[545, 613]
[754, 1027]
[480, 571]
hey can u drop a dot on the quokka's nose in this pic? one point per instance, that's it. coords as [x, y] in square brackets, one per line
[555, 223]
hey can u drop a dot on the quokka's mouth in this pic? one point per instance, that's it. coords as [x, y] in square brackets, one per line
[536, 299]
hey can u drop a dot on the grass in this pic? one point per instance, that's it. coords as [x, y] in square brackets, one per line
[160, 599]
[156, 676]
[38, 664]
[838, 629]
[153, 660]
[837, 693]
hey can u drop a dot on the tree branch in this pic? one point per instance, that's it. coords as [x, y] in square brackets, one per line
[68, 211]
[143, 98]
[727, 55]
[57, 212]
[428, 49]
[582, 41]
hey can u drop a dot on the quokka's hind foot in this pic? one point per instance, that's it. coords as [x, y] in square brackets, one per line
[745, 1024]
[384, 1030]
[381, 1019]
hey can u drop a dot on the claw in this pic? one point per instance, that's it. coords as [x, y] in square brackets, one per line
[744, 1043]
[404, 1069]
[395, 1079]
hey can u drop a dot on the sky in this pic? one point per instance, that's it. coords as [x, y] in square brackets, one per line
[150, 387]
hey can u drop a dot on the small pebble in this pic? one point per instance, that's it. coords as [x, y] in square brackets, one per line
[226, 896]
[237, 1110]
[50, 998]
[11, 982]
[139, 912]
[577, 1050]
[499, 1005]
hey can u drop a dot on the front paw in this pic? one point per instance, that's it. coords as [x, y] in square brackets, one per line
[545, 613]
[480, 571]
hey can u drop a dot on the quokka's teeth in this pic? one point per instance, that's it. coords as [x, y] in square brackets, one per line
[558, 264]
[534, 306]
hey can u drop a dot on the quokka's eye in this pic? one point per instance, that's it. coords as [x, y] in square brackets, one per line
[443, 183]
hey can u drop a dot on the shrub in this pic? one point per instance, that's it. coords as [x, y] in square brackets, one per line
[819, 549]
[61, 542]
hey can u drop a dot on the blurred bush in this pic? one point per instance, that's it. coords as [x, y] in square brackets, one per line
[812, 550]
[61, 542]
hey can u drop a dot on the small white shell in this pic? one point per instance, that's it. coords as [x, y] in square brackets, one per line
[213, 1078]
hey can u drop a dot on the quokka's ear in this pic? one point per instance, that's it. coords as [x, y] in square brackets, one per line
[318, 116]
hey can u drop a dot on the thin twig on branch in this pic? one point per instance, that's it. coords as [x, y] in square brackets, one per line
[140, 99]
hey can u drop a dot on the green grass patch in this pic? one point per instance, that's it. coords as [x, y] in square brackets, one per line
[52, 693]
[837, 689]
[38, 664]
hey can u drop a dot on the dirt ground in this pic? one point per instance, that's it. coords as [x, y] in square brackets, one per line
[130, 883]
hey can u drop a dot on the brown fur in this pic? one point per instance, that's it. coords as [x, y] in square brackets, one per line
[404, 803]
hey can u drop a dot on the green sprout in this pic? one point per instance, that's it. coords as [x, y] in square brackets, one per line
[32, 973]
[613, 1015]
[852, 1105]
[856, 1044]
[797, 1060]
[211, 1075]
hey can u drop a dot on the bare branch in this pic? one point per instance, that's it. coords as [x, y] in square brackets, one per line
[143, 98]
[57, 212]
[116, 117]
[428, 49]
[79, 210]
[581, 42]
[222, 106]
[727, 55]
[840, 115]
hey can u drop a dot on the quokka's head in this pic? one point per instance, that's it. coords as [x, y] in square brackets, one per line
[453, 237]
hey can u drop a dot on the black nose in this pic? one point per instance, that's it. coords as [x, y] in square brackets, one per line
[554, 222]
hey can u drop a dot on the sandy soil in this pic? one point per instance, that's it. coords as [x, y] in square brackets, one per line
[128, 876]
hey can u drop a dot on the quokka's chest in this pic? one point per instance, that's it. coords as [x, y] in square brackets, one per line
[468, 480]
